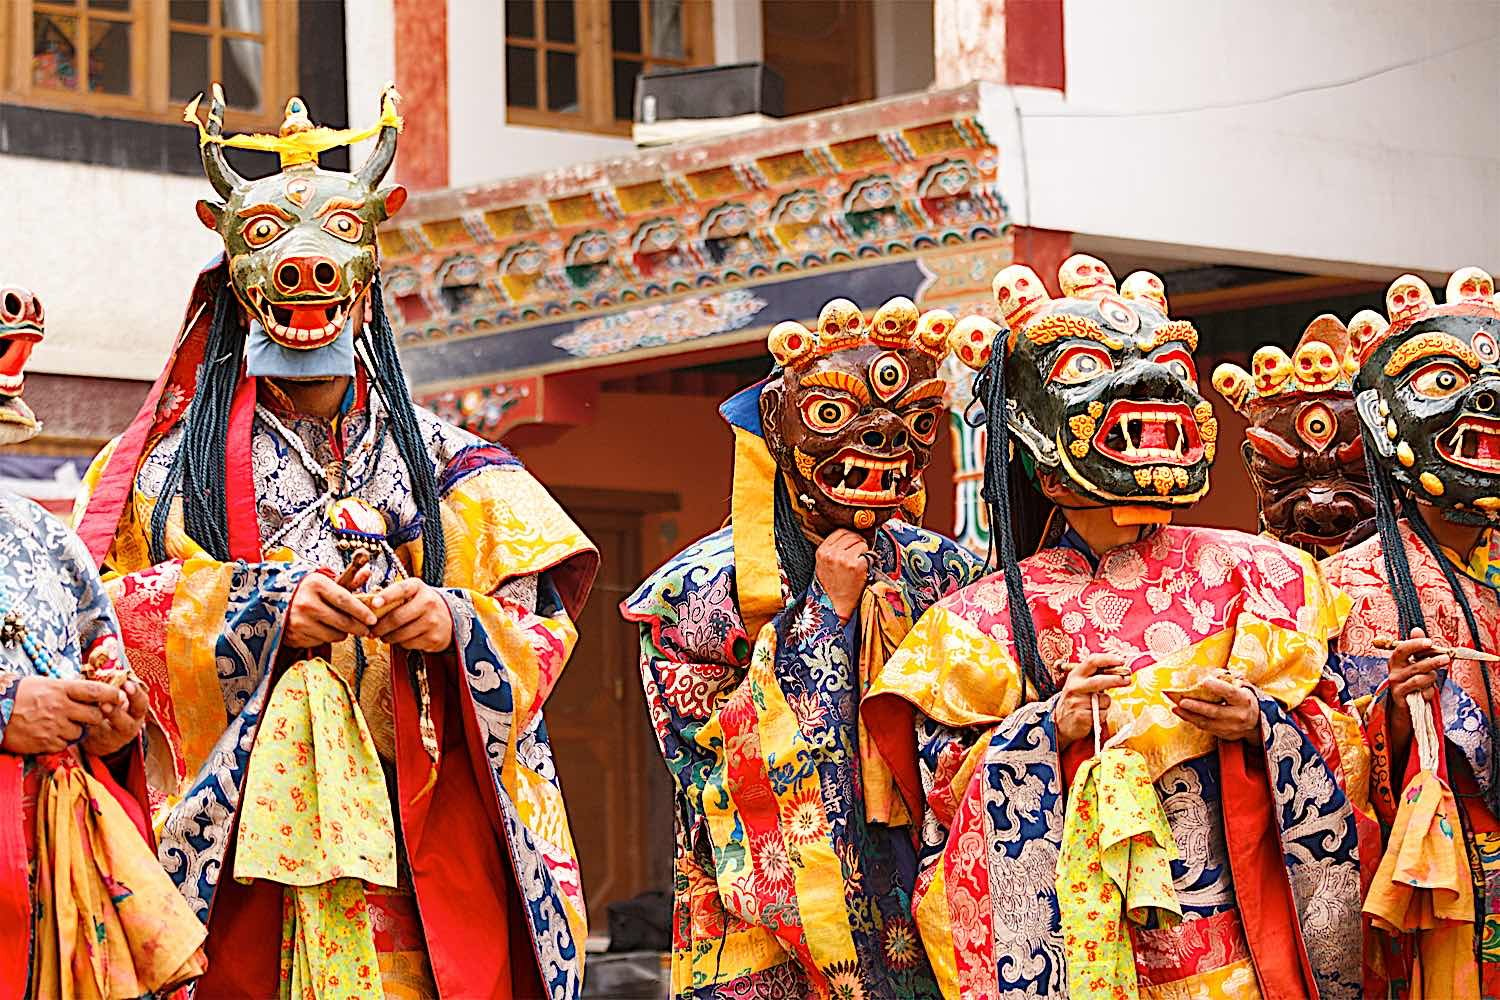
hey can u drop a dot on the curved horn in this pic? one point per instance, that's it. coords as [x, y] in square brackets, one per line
[220, 174]
[375, 167]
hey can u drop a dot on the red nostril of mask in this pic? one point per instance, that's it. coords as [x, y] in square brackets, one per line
[20, 308]
[306, 275]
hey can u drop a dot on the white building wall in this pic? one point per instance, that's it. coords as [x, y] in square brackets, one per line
[113, 255]
[1285, 132]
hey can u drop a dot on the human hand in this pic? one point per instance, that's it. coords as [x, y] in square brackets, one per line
[322, 612]
[843, 569]
[1232, 714]
[51, 714]
[412, 615]
[119, 727]
[1413, 670]
[1074, 715]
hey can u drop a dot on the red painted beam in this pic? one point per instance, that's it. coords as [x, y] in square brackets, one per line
[1034, 44]
[422, 78]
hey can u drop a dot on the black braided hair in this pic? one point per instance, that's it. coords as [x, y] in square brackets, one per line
[989, 389]
[384, 366]
[198, 468]
[794, 550]
[1392, 548]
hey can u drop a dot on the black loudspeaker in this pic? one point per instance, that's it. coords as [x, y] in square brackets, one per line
[708, 92]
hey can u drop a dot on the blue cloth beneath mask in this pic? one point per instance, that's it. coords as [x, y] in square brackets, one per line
[263, 356]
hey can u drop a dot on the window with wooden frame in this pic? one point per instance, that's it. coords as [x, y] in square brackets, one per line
[572, 63]
[147, 58]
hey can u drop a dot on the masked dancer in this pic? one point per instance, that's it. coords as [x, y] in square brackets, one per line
[1128, 782]
[349, 616]
[86, 909]
[794, 860]
[1428, 396]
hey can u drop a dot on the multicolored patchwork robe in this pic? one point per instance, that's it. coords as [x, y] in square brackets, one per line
[48, 579]
[786, 885]
[486, 847]
[1267, 874]
[1467, 710]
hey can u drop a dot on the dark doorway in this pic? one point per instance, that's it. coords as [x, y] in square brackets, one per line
[617, 789]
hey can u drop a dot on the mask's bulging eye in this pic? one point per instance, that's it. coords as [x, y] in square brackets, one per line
[826, 414]
[923, 425]
[888, 375]
[345, 225]
[260, 230]
[1080, 364]
[1317, 425]
[1180, 364]
[1439, 380]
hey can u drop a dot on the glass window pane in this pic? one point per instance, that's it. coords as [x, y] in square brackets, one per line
[560, 20]
[626, 70]
[109, 57]
[625, 25]
[562, 82]
[241, 15]
[187, 75]
[110, 4]
[54, 51]
[192, 11]
[520, 76]
[520, 18]
[240, 65]
[666, 29]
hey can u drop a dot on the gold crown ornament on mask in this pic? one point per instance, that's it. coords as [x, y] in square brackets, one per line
[1409, 300]
[298, 140]
[1322, 362]
[898, 325]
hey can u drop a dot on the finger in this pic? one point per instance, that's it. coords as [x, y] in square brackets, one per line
[411, 634]
[1223, 689]
[1101, 682]
[346, 603]
[1207, 709]
[1194, 719]
[1431, 664]
[339, 622]
[313, 633]
[361, 579]
[842, 538]
[83, 713]
[396, 594]
[138, 701]
[357, 562]
[69, 731]
[397, 619]
[92, 692]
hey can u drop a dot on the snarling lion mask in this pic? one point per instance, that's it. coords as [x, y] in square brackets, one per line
[1102, 387]
[1428, 393]
[853, 415]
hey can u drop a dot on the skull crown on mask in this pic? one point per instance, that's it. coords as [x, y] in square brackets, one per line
[301, 242]
[1428, 393]
[1103, 391]
[1303, 447]
[852, 417]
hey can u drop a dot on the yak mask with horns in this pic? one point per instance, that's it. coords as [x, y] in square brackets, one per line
[300, 242]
